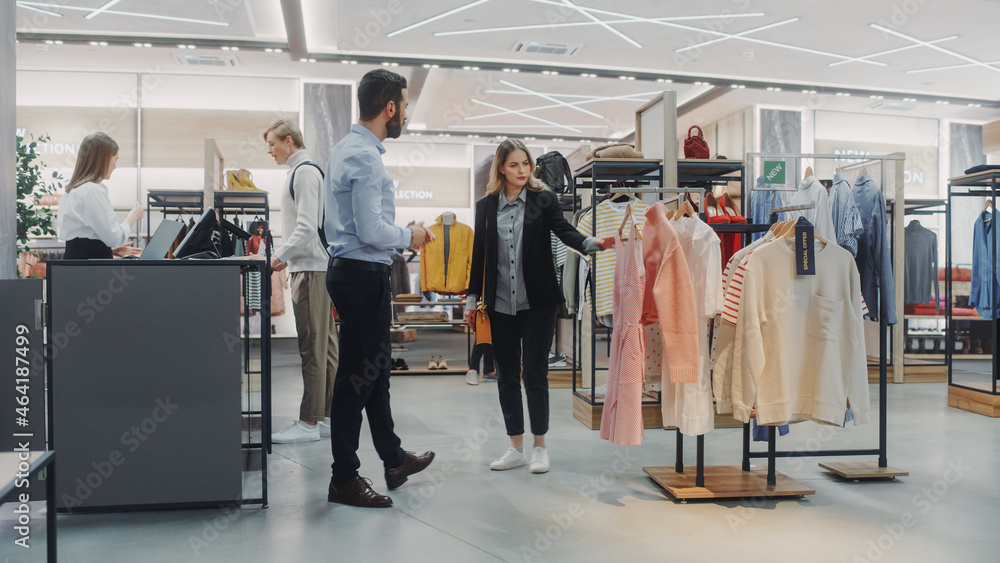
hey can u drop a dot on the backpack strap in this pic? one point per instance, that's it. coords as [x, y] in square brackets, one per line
[321, 228]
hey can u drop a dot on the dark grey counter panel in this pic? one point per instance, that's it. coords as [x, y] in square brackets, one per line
[145, 383]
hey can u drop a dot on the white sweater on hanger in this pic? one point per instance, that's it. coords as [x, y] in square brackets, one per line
[799, 352]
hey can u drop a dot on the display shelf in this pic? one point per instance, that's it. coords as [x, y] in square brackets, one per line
[858, 470]
[240, 200]
[427, 303]
[980, 400]
[710, 170]
[725, 482]
[612, 169]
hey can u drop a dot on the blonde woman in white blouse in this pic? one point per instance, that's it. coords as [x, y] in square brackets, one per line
[87, 222]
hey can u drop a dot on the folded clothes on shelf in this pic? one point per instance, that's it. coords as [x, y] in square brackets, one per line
[424, 317]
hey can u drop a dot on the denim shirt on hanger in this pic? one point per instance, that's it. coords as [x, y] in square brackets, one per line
[982, 262]
[874, 257]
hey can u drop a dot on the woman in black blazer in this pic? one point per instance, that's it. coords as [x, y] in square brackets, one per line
[513, 268]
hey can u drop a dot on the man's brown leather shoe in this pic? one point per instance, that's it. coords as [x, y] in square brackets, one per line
[358, 492]
[412, 463]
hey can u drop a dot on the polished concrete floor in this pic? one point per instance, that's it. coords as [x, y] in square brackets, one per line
[594, 505]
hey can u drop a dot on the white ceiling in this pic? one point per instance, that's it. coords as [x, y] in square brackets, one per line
[793, 45]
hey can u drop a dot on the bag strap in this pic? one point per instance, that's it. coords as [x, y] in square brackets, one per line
[700, 132]
[321, 228]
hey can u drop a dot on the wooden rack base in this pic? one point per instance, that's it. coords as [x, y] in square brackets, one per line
[725, 482]
[858, 470]
[980, 403]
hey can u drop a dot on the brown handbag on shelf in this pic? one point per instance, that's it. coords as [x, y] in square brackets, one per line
[695, 146]
[484, 334]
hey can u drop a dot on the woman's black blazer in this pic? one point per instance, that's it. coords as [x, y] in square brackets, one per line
[542, 213]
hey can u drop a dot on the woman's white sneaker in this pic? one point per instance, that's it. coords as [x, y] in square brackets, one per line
[472, 377]
[539, 461]
[509, 460]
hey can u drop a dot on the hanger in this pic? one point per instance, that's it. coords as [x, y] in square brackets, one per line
[688, 199]
[618, 198]
[789, 232]
[671, 213]
[864, 170]
[686, 209]
[809, 172]
[629, 214]
[988, 208]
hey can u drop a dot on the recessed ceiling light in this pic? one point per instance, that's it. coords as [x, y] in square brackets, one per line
[312, 60]
[385, 64]
[623, 77]
[466, 68]
[307, 60]
[94, 43]
[354, 62]
[425, 65]
[103, 43]
[135, 44]
[734, 85]
[512, 70]
[147, 44]
[49, 42]
[179, 46]
[234, 48]
[268, 50]
[276, 50]
[805, 91]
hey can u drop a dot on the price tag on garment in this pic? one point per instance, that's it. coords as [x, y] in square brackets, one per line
[805, 252]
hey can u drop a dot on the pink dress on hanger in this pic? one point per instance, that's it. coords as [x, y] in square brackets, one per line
[621, 420]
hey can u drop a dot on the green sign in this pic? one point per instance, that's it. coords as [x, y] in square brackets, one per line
[774, 172]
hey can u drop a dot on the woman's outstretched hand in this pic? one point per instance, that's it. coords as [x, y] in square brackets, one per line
[605, 243]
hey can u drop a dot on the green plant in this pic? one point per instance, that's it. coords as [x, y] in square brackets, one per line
[33, 220]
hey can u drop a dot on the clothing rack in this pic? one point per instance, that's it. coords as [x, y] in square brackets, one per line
[853, 470]
[746, 482]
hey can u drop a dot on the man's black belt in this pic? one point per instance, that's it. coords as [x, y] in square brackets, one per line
[365, 266]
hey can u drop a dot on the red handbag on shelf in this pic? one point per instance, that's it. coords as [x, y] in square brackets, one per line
[695, 146]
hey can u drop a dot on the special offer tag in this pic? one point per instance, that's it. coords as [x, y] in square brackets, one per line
[805, 253]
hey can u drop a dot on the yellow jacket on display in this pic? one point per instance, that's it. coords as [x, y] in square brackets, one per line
[432, 261]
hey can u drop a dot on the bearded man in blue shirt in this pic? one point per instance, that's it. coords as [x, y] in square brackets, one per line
[360, 217]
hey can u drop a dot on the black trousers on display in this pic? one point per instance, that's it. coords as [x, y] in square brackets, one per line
[521, 348]
[362, 298]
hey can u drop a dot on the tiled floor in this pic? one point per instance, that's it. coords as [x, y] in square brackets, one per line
[594, 505]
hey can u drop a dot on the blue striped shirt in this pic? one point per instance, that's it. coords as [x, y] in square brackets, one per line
[846, 217]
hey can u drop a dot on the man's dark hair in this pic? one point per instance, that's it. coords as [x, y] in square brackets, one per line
[378, 88]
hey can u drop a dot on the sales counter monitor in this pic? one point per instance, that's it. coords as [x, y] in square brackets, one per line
[159, 245]
[202, 240]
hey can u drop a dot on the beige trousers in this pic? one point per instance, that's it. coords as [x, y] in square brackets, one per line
[313, 311]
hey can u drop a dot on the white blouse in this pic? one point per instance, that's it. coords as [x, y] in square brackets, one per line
[86, 212]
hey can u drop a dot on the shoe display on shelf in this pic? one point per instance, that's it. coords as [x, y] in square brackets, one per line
[432, 363]
[601, 390]
[558, 361]
[539, 461]
[297, 432]
[442, 363]
[472, 377]
[509, 460]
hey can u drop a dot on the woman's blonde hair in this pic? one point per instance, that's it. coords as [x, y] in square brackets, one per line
[497, 183]
[284, 128]
[93, 160]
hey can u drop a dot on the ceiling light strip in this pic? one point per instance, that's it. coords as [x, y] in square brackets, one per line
[551, 99]
[935, 47]
[740, 34]
[533, 125]
[628, 98]
[435, 18]
[949, 67]
[577, 24]
[101, 10]
[132, 14]
[891, 51]
[592, 17]
[39, 10]
[527, 115]
[719, 33]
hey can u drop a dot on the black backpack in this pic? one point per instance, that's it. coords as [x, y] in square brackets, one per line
[553, 170]
[321, 228]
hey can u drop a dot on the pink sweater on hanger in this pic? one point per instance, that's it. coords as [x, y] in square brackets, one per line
[669, 297]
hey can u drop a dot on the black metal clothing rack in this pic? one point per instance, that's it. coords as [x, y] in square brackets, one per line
[978, 399]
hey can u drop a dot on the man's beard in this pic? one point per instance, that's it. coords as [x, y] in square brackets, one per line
[394, 127]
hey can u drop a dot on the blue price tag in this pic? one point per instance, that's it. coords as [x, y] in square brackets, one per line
[805, 252]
